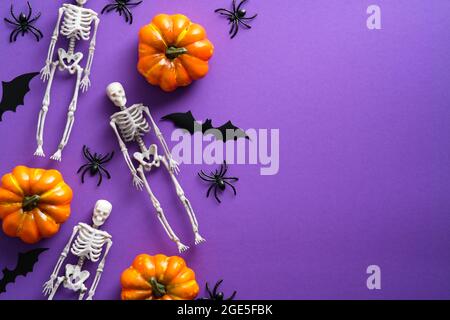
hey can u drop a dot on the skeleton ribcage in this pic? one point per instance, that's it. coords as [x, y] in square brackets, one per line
[132, 123]
[88, 243]
[77, 22]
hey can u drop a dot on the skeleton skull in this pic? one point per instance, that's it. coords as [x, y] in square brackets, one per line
[102, 211]
[116, 94]
[81, 2]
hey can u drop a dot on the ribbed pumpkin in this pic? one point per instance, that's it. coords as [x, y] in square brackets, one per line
[159, 278]
[33, 203]
[173, 51]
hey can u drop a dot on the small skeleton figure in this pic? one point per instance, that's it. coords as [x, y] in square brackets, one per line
[88, 244]
[76, 25]
[130, 125]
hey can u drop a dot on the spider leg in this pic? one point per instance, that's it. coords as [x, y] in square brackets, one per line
[241, 4]
[215, 194]
[206, 175]
[36, 29]
[35, 18]
[209, 190]
[230, 178]
[232, 296]
[224, 11]
[204, 179]
[83, 166]
[88, 153]
[249, 18]
[100, 175]
[107, 157]
[134, 3]
[236, 29]
[217, 287]
[234, 189]
[14, 23]
[208, 290]
[84, 172]
[14, 34]
[35, 32]
[234, 6]
[128, 15]
[12, 14]
[245, 24]
[108, 8]
[105, 171]
[29, 10]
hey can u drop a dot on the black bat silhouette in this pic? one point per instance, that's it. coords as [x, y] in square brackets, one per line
[14, 92]
[25, 264]
[187, 121]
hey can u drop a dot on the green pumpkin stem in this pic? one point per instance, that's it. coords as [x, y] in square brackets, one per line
[158, 289]
[30, 202]
[174, 52]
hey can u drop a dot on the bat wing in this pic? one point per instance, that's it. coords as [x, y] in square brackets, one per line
[182, 120]
[25, 264]
[14, 92]
[237, 132]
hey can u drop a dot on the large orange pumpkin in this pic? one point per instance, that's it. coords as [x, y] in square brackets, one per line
[158, 278]
[33, 203]
[173, 51]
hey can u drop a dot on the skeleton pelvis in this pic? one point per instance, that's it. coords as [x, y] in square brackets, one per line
[75, 278]
[149, 158]
[69, 61]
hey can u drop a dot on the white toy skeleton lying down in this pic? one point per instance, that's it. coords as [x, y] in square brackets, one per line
[74, 23]
[88, 244]
[130, 124]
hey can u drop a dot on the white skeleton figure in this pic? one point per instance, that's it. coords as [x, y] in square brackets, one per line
[130, 125]
[88, 244]
[74, 23]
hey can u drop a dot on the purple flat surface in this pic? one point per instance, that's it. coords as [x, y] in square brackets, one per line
[364, 120]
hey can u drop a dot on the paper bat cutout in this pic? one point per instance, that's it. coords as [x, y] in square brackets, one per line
[187, 121]
[14, 92]
[25, 264]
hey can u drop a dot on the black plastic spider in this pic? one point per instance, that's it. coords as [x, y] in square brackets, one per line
[121, 6]
[218, 180]
[218, 296]
[236, 17]
[95, 164]
[23, 24]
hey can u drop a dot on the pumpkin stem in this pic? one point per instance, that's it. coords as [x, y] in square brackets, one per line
[158, 289]
[173, 52]
[30, 202]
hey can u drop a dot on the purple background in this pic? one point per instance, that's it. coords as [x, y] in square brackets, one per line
[364, 120]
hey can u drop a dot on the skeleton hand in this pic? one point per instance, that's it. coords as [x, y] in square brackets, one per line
[174, 166]
[85, 83]
[45, 72]
[48, 286]
[138, 183]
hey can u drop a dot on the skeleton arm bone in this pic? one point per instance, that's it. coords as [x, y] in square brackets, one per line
[85, 83]
[99, 270]
[138, 183]
[48, 286]
[45, 72]
[173, 164]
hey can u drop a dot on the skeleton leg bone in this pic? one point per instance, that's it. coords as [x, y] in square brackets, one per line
[83, 291]
[70, 117]
[160, 213]
[56, 287]
[185, 201]
[43, 113]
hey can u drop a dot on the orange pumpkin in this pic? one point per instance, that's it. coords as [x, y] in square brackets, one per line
[158, 278]
[33, 203]
[173, 51]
